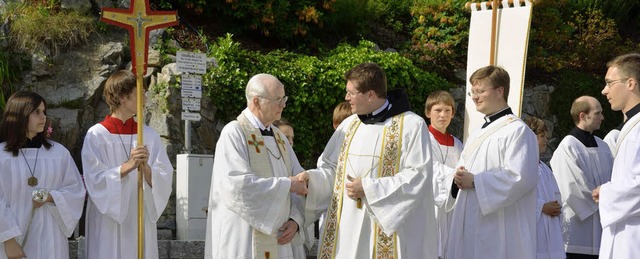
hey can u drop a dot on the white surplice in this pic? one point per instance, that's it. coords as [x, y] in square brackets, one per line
[579, 170]
[401, 204]
[497, 218]
[549, 232]
[445, 159]
[52, 223]
[112, 208]
[240, 201]
[611, 139]
[620, 198]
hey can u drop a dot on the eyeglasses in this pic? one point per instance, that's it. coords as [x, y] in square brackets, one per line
[350, 94]
[610, 83]
[280, 101]
[479, 92]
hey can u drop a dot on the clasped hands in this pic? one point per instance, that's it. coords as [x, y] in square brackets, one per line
[299, 183]
[463, 179]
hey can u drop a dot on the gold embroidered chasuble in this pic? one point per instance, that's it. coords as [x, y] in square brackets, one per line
[385, 246]
[264, 245]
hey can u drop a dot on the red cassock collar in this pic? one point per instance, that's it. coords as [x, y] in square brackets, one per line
[116, 126]
[445, 139]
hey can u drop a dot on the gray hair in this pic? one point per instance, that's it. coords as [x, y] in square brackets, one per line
[256, 86]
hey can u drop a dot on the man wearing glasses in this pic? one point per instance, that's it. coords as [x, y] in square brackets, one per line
[251, 202]
[374, 177]
[619, 199]
[497, 174]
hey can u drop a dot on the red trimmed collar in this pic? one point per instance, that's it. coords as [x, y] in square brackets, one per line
[445, 139]
[116, 126]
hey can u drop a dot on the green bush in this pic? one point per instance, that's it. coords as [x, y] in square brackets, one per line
[571, 85]
[439, 36]
[564, 38]
[315, 85]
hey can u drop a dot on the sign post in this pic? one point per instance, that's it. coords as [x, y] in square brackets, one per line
[192, 65]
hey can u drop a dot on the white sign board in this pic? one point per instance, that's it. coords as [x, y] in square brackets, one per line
[191, 62]
[191, 116]
[192, 82]
[191, 93]
[190, 104]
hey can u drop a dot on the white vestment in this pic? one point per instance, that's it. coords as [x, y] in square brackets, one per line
[112, 208]
[240, 201]
[52, 223]
[400, 205]
[549, 232]
[497, 218]
[445, 159]
[579, 170]
[620, 198]
[611, 139]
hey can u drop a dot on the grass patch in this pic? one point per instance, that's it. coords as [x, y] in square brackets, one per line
[37, 25]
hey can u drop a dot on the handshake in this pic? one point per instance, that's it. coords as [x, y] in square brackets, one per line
[299, 183]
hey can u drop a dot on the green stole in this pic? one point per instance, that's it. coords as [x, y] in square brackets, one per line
[385, 246]
[264, 245]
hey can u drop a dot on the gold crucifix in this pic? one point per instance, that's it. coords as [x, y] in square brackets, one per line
[139, 20]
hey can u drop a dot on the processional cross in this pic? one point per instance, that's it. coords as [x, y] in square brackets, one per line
[139, 20]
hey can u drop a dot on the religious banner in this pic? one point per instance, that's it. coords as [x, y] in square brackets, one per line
[512, 24]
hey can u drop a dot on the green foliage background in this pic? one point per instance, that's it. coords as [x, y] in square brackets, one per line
[315, 85]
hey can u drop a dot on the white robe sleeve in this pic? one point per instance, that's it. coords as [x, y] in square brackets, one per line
[258, 201]
[156, 198]
[620, 198]
[69, 197]
[574, 187]
[518, 176]
[8, 225]
[322, 178]
[103, 182]
[392, 199]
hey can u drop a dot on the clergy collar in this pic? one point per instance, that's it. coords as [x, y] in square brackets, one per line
[586, 138]
[35, 142]
[397, 102]
[633, 111]
[493, 117]
[116, 126]
[445, 139]
[255, 121]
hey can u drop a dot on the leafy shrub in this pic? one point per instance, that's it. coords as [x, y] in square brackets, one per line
[582, 39]
[571, 85]
[278, 19]
[439, 36]
[315, 85]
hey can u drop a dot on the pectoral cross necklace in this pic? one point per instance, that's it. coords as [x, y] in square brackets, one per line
[373, 166]
[33, 180]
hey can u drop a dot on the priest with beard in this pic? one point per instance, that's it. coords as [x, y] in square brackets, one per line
[374, 177]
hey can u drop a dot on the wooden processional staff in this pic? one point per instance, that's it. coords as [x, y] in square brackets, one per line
[139, 20]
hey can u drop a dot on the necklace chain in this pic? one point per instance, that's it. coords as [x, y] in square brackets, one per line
[274, 156]
[121, 141]
[33, 180]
